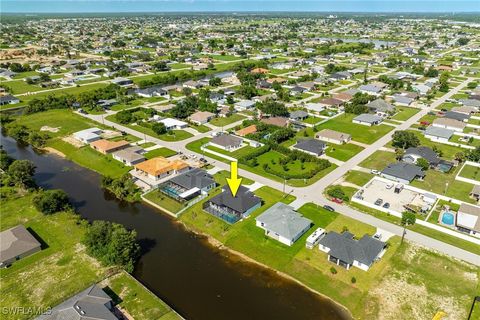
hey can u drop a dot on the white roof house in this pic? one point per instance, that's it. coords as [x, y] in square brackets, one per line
[171, 123]
[88, 135]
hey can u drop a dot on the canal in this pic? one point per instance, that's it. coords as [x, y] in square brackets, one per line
[195, 278]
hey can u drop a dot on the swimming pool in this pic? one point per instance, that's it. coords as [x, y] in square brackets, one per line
[448, 218]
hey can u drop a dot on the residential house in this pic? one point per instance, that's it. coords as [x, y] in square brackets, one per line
[231, 209]
[90, 304]
[246, 131]
[153, 170]
[201, 117]
[88, 136]
[450, 124]
[8, 99]
[402, 100]
[465, 110]
[421, 89]
[244, 105]
[345, 251]
[468, 219]
[381, 107]
[311, 146]
[276, 121]
[330, 103]
[226, 142]
[475, 193]
[412, 155]
[188, 185]
[370, 89]
[129, 156]
[172, 124]
[457, 116]
[438, 134]
[106, 146]
[192, 84]
[298, 115]
[16, 243]
[317, 107]
[367, 119]
[282, 223]
[149, 92]
[122, 82]
[343, 96]
[333, 136]
[402, 172]
[471, 103]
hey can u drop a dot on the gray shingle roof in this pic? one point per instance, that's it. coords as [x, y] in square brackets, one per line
[345, 248]
[194, 178]
[456, 115]
[226, 140]
[242, 202]
[15, 242]
[381, 105]
[439, 132]
[368, 118]
[402, 170]
[424, 152]
[283, 220]
[311, 145]
[298, 114]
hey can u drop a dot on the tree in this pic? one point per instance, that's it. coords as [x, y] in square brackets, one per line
[273, 108]
[5, 159]
[124, 117]
[463, 41]
[460, 156]
[215, 81]
[159, 128]
[51, 201]
[431, 72]
[474, 155]
[423, 163]
[21, 173]
[408, 219]
[337, 192]
[112, 244]
[405, 139]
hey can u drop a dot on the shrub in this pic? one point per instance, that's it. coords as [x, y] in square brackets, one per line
[333, 270]
[51, 201]
[354, 280]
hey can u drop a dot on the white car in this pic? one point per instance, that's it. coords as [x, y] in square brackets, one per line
[389, 186]
[373, 171]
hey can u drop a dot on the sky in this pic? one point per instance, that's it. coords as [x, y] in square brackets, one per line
[154, 6]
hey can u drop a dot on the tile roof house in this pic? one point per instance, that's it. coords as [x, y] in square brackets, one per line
[88, 135]
[367, 119]
[129, 156]
[451, 124]
[468, 219]
[402, 172]
[201, 117]
[247, 130]
[281, 222]
[311, 146]
[16, 243]
[107, 146]
[438, 134]
[330, 102]
[333, 136]
[276, 121]
[230, 208]
[226, 142]
[345, 251]
[153, 170]
[188, 185]
[90, 304]
[343, 96]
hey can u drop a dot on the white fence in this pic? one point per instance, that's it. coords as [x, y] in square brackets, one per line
[468, 180]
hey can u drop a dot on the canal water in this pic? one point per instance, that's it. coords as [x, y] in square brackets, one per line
[196, 279]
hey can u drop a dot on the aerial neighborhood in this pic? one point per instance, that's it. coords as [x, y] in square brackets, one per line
[355, 143]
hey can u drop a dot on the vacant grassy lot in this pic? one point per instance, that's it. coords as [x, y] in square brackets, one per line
[160, 152]
[136, 299]
[343, 152]
[405, 113]
[358, 178]
[223, 121]
[470, 172]
[165, 202]
[360, 133]
[378, 160]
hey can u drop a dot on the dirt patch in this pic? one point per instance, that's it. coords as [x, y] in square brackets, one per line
[50, 129]
[74, 142]
[54, 151]
[108, 134]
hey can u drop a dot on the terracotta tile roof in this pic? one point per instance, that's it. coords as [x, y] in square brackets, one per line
[259, 70]
[276, 121]
[248, 130]
[159, 165]
[106, 145]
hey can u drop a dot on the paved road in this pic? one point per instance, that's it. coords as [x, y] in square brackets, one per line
[314, 192]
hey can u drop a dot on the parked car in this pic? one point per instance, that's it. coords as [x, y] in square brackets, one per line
[389, 186]
[327, 207]
[378, 202]
[377, 236]
[386, 205]
[373, 171]
[337, 200]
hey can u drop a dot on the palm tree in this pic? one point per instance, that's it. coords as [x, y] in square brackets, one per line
[408, 219]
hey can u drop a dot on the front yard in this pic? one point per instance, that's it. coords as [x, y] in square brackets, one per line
[224, 121]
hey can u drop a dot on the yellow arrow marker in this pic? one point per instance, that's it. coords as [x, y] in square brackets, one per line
[234, 182]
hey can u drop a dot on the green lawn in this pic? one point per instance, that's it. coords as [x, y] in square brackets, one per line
[20, 86]
[160, 152]
[378, 160]
[220, 178]
[200, 128]
[165, 202]
[312, 120]
[360, 133]
[470, 172]
[358, 178]
[234, 154]
[343, 152]
[223, 121]
[405, 113]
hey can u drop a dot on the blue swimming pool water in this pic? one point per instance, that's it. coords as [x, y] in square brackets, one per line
[448, 218]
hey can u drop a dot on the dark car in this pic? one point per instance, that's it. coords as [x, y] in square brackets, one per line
[327, 207]
[386, 205]
[379, 202]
